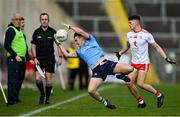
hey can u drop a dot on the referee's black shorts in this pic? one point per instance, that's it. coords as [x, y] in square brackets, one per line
[47, 64]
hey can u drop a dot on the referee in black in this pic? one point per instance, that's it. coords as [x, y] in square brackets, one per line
[42, 46]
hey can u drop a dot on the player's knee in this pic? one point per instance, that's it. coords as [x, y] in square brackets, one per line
[131, 69]
[140, 84]
[49, 83]
[91, 91]
[38, 81]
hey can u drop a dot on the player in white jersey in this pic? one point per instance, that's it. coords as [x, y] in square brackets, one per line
[138, 40]
[139, 45]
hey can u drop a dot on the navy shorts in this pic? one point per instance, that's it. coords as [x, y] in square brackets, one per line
[105, 68]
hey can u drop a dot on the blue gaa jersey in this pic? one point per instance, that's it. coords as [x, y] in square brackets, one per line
[90, 52]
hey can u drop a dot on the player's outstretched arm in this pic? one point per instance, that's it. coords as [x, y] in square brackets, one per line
[124, 50]
[65, 53]
[77, 30]
[81, 32]
[162, 53]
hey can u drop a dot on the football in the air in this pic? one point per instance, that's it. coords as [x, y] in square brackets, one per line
[61, 35]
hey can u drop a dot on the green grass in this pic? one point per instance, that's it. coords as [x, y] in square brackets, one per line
[117, 94]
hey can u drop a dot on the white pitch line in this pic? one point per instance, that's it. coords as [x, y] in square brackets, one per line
[60, 103]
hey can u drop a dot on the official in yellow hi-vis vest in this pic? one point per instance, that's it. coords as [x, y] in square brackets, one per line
[16, 46]
[72, 63]
[72, 66]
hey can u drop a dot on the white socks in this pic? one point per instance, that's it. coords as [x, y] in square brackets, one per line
[103, 101]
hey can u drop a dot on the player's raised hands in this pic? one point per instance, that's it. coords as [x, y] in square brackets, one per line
[66, 25]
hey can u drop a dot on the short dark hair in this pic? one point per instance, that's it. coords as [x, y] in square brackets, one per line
[77, 34]
[134, 17]
[44, 14]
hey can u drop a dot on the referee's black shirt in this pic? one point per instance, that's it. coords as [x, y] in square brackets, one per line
[44, 41]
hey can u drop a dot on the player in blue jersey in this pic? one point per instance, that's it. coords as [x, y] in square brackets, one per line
[90, 52]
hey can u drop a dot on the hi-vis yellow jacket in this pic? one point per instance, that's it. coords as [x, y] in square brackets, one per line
[72, 63]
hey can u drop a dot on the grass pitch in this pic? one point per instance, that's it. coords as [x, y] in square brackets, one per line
[79, 103]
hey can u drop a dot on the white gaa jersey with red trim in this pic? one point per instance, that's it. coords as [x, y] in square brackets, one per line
[139, 42]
